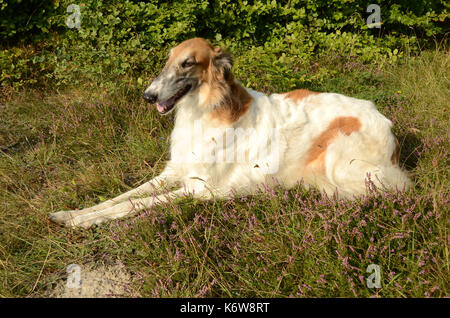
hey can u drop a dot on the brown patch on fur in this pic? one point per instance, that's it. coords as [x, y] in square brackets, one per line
[395, 158]
[198, 47]
[316, 154]
[231, 99]
[299, 94]
[235, 105]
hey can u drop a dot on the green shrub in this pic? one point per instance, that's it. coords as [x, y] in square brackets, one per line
[131, 37]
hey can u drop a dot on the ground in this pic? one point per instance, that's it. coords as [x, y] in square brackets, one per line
[74, 147]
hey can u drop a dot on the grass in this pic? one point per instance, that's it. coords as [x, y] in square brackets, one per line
[78, 146]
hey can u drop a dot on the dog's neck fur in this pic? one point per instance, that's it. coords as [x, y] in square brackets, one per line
[225, 101]
[233, 101]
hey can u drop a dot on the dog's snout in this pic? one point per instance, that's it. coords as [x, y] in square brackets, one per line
[149, 97]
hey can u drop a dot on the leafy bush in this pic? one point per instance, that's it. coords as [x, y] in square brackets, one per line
[27, 20]
[131, 37]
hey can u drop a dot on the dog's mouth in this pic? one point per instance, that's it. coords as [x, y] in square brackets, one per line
[166, 106]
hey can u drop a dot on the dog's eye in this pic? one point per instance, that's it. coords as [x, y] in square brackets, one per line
[187, 63]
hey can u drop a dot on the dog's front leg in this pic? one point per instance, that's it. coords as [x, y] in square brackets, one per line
[166, 177]
[122, 209]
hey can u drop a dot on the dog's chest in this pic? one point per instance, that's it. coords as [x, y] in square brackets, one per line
[200, 144]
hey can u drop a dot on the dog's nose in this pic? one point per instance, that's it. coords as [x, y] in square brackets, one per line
[149, 97]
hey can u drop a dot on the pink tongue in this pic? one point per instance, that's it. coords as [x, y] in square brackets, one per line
[159, 107]
[162, 106]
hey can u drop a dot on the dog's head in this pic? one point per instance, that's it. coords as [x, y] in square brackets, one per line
[193, 67]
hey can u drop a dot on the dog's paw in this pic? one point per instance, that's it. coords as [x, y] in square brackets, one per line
[74, 219]
[65, 218]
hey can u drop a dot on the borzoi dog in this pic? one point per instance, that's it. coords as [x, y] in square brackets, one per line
[230, 140]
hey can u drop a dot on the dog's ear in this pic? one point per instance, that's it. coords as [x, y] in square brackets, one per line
[223, 64]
